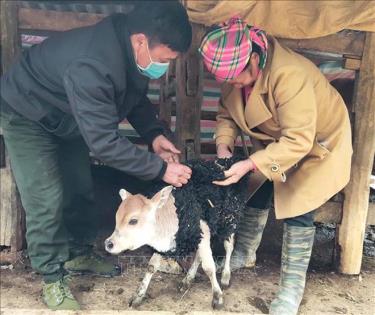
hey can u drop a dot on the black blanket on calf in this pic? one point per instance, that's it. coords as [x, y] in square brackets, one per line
[219, 206]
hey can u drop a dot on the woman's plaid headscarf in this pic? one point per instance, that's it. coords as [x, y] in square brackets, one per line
[226, 50]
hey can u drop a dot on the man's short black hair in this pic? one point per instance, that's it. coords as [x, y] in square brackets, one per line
[163, 22]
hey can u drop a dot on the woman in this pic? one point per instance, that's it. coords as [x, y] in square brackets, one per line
[281, 100]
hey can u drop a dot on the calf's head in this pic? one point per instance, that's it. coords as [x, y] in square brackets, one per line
[135, 221]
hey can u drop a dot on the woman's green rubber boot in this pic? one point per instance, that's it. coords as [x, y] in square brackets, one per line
[248, 237]
[296, 253]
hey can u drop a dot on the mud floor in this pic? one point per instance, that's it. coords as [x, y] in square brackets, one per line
[251, 291]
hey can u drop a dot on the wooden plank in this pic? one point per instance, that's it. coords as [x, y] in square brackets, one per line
[352, 228]
[11, 212]
[351, 63]
[371, 214]
[9, 257]
[55, 20]
[2, 151]
[6, 217]
[330, 212]
[205, 114]
[12, 215]
[189, 95]
[346, 43]
[29, 311]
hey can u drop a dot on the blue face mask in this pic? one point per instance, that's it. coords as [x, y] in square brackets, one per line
[154, 70]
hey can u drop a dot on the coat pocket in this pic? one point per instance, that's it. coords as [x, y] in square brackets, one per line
[63, 126]
[319, 150]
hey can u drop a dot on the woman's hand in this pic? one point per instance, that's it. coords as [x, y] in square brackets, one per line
[236, 172]
[223, 151]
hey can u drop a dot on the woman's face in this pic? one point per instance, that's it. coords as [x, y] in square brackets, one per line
[249, 75]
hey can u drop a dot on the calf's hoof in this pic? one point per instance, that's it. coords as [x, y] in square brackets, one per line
[217, 301]
[136, 301]
[184, 285]
[225, 281]
[225, 286]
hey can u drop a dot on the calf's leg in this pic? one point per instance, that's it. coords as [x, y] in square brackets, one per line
[153, 266]
[225, 277]
[190, 276]
[208, 265]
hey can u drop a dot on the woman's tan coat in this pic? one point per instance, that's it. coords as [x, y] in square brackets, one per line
[304, 124]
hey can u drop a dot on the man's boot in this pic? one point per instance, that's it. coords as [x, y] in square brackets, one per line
[248, 237]
[296, 253]
[92, 263]
[57, 295]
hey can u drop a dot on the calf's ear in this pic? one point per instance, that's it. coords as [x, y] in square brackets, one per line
[160, 199]
[124, 194]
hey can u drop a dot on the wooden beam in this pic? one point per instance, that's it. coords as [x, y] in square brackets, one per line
[344, 43]
[331, 212]
[10, 41]
[189, 95]
[12, 226]
[352, 228]
[36, 19]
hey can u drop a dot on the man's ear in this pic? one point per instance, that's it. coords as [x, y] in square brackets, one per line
[140, 39]
[160, 199]
[124, 194]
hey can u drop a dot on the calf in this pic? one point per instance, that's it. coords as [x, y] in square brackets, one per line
[178, 222]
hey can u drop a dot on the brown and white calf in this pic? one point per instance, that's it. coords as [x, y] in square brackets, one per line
[154, 222]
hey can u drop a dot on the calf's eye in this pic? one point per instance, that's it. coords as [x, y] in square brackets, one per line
[133, 222]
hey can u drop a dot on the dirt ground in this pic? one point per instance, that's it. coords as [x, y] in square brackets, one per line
[250, 292]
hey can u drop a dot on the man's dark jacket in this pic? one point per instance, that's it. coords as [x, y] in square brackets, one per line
[88, 77]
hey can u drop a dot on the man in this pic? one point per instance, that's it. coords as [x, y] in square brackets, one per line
[281, 100]
[64, 98]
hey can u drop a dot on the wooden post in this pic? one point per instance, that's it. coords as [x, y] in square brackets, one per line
[189, 77]
[352, 228]
[167, 91]
[11, 212]
[10, 41]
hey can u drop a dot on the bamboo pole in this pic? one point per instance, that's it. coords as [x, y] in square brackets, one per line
[355, 211]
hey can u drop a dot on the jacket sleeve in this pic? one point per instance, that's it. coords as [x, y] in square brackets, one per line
[226, 128]
[143, 118]
[297, 115]
[91, 93]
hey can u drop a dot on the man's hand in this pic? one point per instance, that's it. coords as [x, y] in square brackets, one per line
[223, 151]
[236, 172]
[177, 174]
[165, 149]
